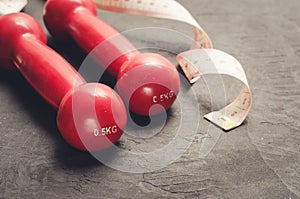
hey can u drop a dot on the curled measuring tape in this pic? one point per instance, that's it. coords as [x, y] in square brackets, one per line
[195, 62]
[10, 6]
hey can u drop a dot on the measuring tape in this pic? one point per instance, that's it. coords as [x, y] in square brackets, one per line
[11, 6]
[196, 62]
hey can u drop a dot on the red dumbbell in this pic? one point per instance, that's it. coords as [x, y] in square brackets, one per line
[144, 79]
[91, 116]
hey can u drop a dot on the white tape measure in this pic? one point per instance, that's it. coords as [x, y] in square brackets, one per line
[11, 6]
[194, 63]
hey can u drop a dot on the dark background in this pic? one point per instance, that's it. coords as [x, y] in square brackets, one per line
[260, 159]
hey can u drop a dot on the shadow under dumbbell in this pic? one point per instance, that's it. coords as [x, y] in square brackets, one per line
[84, 64]
[69, 50]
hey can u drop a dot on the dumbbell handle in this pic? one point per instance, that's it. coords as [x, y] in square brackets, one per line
[44, 69]
[89, 31]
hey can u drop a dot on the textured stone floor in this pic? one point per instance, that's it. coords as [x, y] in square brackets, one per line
[260, 159]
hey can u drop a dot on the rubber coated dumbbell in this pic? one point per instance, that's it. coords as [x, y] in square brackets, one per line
[91, 116]
[144, 79]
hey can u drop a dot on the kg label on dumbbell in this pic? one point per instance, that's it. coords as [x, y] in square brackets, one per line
[106, 131]
[163, 97]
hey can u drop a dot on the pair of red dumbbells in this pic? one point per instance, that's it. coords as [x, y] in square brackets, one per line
[91, 116]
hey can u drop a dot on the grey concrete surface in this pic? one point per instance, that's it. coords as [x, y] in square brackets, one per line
[260, 159]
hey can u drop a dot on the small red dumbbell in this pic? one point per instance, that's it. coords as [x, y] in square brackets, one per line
[91, 116]
[144, 79]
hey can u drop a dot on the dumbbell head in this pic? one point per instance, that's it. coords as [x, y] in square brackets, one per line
[56, 15]
[148, 83]
[91, 116]
[12, 26]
